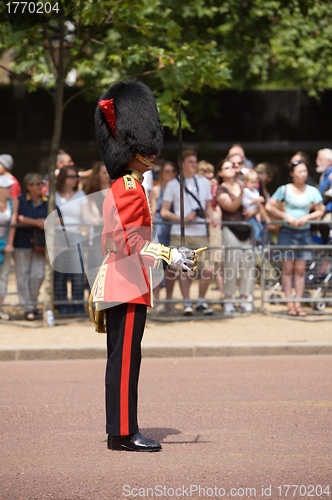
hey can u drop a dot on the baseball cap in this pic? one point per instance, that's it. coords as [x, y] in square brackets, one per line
[5, 181]
[7, 161]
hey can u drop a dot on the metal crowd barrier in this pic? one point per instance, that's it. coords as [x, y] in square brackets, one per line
[268, 298]
[317, 295]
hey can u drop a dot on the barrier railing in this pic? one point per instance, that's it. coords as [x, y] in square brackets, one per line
[267, 298]
[317, 290]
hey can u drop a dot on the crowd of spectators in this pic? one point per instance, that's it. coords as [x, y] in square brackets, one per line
[228, 208]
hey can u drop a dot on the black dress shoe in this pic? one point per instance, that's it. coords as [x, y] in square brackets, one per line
[133, 442]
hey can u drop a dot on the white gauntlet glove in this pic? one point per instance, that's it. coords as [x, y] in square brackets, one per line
[184, 258]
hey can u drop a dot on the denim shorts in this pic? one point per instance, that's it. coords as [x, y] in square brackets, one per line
[298, 237]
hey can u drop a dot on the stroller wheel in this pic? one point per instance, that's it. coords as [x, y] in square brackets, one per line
[274, 296]
[319, 306]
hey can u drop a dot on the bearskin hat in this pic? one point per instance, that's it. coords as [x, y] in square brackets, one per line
[127, 123]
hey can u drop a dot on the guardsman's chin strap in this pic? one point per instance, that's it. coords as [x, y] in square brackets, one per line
[145, 161]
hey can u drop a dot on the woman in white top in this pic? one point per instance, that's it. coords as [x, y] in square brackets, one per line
[73, 212]
[8, 214]
[95, 188]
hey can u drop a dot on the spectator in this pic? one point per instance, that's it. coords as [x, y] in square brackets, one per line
[299, 155]
[238, 261]
[7, 233]
[6, 167]
[206, 169]
[167, 172]
[253, 206]
[265, 176]
[197, 212]
[324, 168]
[96, 188]
[298, 198]
[237, 149]
[73, 209]
[99, 182]
[215, 238]
[302, 156]
[30, 263]
[240, 169]
[63, 159]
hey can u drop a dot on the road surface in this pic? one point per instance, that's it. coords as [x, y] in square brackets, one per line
[241, 427]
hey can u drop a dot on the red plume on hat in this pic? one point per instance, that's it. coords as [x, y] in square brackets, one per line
[107, 107]
[127, 123]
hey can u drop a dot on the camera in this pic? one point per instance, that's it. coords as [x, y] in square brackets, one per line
[200, 213]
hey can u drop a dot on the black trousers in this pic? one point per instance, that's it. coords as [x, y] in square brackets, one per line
[125, 327]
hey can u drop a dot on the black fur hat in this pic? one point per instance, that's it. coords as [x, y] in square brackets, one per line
[127, 123]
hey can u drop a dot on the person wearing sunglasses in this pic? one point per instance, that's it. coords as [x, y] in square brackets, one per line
[29, 244]
[74, 217]
[238, 251]
[238, 149]
[239, 167]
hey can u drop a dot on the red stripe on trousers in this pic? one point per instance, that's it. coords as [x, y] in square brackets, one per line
[125, 370]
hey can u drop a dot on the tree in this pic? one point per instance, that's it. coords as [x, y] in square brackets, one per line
[173, 46]
[104, 41]
[277, 43]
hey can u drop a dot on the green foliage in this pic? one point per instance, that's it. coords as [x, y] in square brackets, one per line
[176, 47]
[277, 43]
[113, 39]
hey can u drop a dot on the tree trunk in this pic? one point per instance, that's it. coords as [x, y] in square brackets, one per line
[55, 145]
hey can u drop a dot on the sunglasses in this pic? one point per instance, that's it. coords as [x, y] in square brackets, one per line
[295, 163]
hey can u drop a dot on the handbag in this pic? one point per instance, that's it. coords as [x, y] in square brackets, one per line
[242, 232]
[38, 242]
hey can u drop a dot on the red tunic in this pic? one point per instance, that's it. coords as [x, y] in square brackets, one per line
[125, 278]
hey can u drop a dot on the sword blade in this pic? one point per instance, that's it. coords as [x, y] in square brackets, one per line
[182, 229]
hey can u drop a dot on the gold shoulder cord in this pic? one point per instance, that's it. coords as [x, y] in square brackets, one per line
[97, 316]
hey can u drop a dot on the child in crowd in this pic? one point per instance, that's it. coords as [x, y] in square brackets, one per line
[253, 205]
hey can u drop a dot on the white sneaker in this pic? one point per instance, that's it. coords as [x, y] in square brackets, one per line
[160, 308]
[229, 308]
[245, 307]
[188, 311]
[4, 316]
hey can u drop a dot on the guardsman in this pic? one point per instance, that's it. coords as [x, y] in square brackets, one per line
[129, 135]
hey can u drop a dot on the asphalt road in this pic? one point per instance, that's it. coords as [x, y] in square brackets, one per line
[242, 427]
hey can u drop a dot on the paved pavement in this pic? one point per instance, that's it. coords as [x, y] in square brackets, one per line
[237, 427]
[256, 334]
